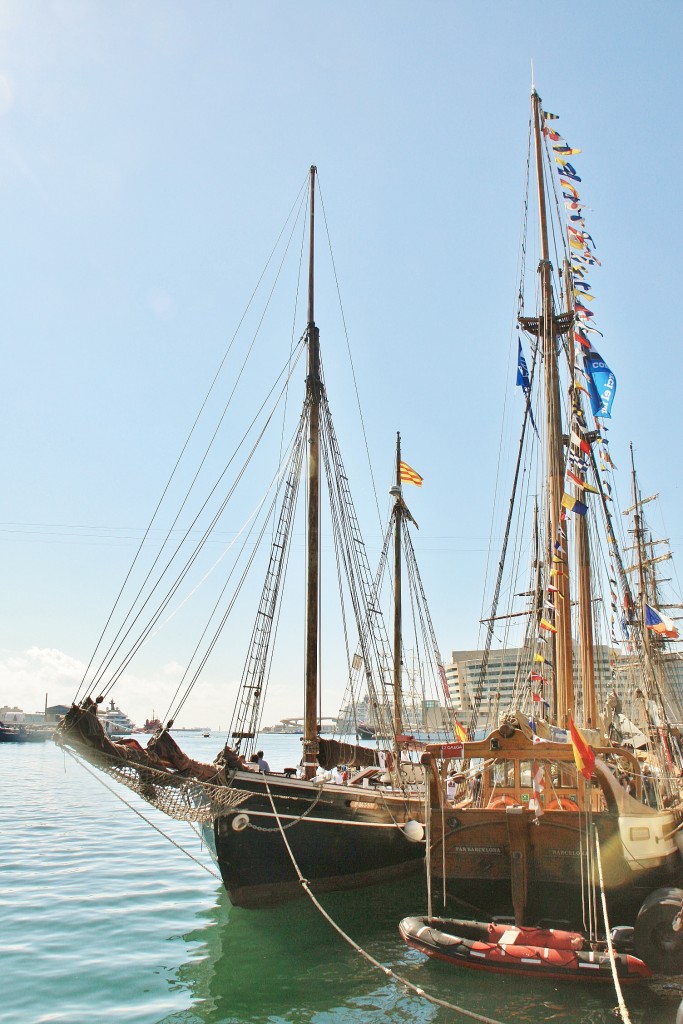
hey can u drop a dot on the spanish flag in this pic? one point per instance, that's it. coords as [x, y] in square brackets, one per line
[459, 731]
[583, 754]
[409, 476]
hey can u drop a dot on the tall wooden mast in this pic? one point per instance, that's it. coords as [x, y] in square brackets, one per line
[641, 554]
[313, 388]
[398, 517]
[564, 677]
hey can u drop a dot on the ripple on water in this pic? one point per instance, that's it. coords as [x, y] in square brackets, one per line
[104, 921]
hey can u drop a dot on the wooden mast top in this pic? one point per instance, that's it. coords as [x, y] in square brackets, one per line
[313, 388]
[564, 676]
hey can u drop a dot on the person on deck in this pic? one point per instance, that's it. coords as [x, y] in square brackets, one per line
[263, 765]
[649, 796]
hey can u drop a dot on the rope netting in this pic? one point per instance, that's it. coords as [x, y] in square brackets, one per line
[184, 799]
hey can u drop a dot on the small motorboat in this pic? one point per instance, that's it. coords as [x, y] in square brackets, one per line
[508, 949]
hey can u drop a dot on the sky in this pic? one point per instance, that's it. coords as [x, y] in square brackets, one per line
[150, 153]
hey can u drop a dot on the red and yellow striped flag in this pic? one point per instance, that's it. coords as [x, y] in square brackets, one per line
[409, 476]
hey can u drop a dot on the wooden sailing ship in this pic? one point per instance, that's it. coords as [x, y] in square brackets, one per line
[514, 821]
[267, 830]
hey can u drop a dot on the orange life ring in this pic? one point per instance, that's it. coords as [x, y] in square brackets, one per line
[562, 803]
[502, 801]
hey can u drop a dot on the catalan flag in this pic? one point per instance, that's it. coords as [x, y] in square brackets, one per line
[584, 756]
[459, 731]
[409, 476]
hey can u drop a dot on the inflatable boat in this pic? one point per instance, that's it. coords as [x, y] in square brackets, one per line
[508, 949]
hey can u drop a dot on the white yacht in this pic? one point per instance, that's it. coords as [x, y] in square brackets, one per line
[115, 722]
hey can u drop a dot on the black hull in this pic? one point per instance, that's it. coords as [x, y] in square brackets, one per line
[342, 837]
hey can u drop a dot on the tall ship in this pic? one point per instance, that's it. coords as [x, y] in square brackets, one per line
[268, 830]
[579, 771]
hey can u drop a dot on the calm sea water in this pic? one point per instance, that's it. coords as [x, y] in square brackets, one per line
[103, 920]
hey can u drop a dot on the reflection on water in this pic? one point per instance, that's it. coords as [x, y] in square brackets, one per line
[288, 965]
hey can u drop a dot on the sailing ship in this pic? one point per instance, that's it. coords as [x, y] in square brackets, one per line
[517, 832]
[639, 717]
[267, 830]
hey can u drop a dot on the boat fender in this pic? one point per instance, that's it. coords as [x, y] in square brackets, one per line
[562, 804]
[655, 940]
[413, 831]
[240, 822]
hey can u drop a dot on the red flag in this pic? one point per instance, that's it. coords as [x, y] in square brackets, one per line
[584, 755]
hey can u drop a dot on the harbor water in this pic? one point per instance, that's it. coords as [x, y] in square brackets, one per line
[107, 916]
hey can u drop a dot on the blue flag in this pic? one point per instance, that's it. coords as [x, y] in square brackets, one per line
[602, 384]
[522, 371]
[523, 380]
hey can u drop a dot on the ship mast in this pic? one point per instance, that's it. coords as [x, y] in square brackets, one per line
[398, 519]
[313, 388]
[641, 555]
[564, 676]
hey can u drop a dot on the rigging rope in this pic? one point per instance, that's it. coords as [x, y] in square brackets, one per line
[142, 637]
[348, 349]
[297, 202]
[366, 956]
[135, 810]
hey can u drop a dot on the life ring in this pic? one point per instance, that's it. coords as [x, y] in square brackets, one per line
[562, 803]
[501, 801]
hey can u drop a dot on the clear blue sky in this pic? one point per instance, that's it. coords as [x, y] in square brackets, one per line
[149, 154]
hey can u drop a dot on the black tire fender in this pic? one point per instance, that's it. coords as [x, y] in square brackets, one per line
[655, 941]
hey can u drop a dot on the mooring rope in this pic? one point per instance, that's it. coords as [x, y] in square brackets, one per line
[416, 989]
[147, 821]
[366, 956]
[610, 948]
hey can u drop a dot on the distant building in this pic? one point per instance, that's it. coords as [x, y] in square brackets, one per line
[15, 716]
[56, 712]
[507, 667]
